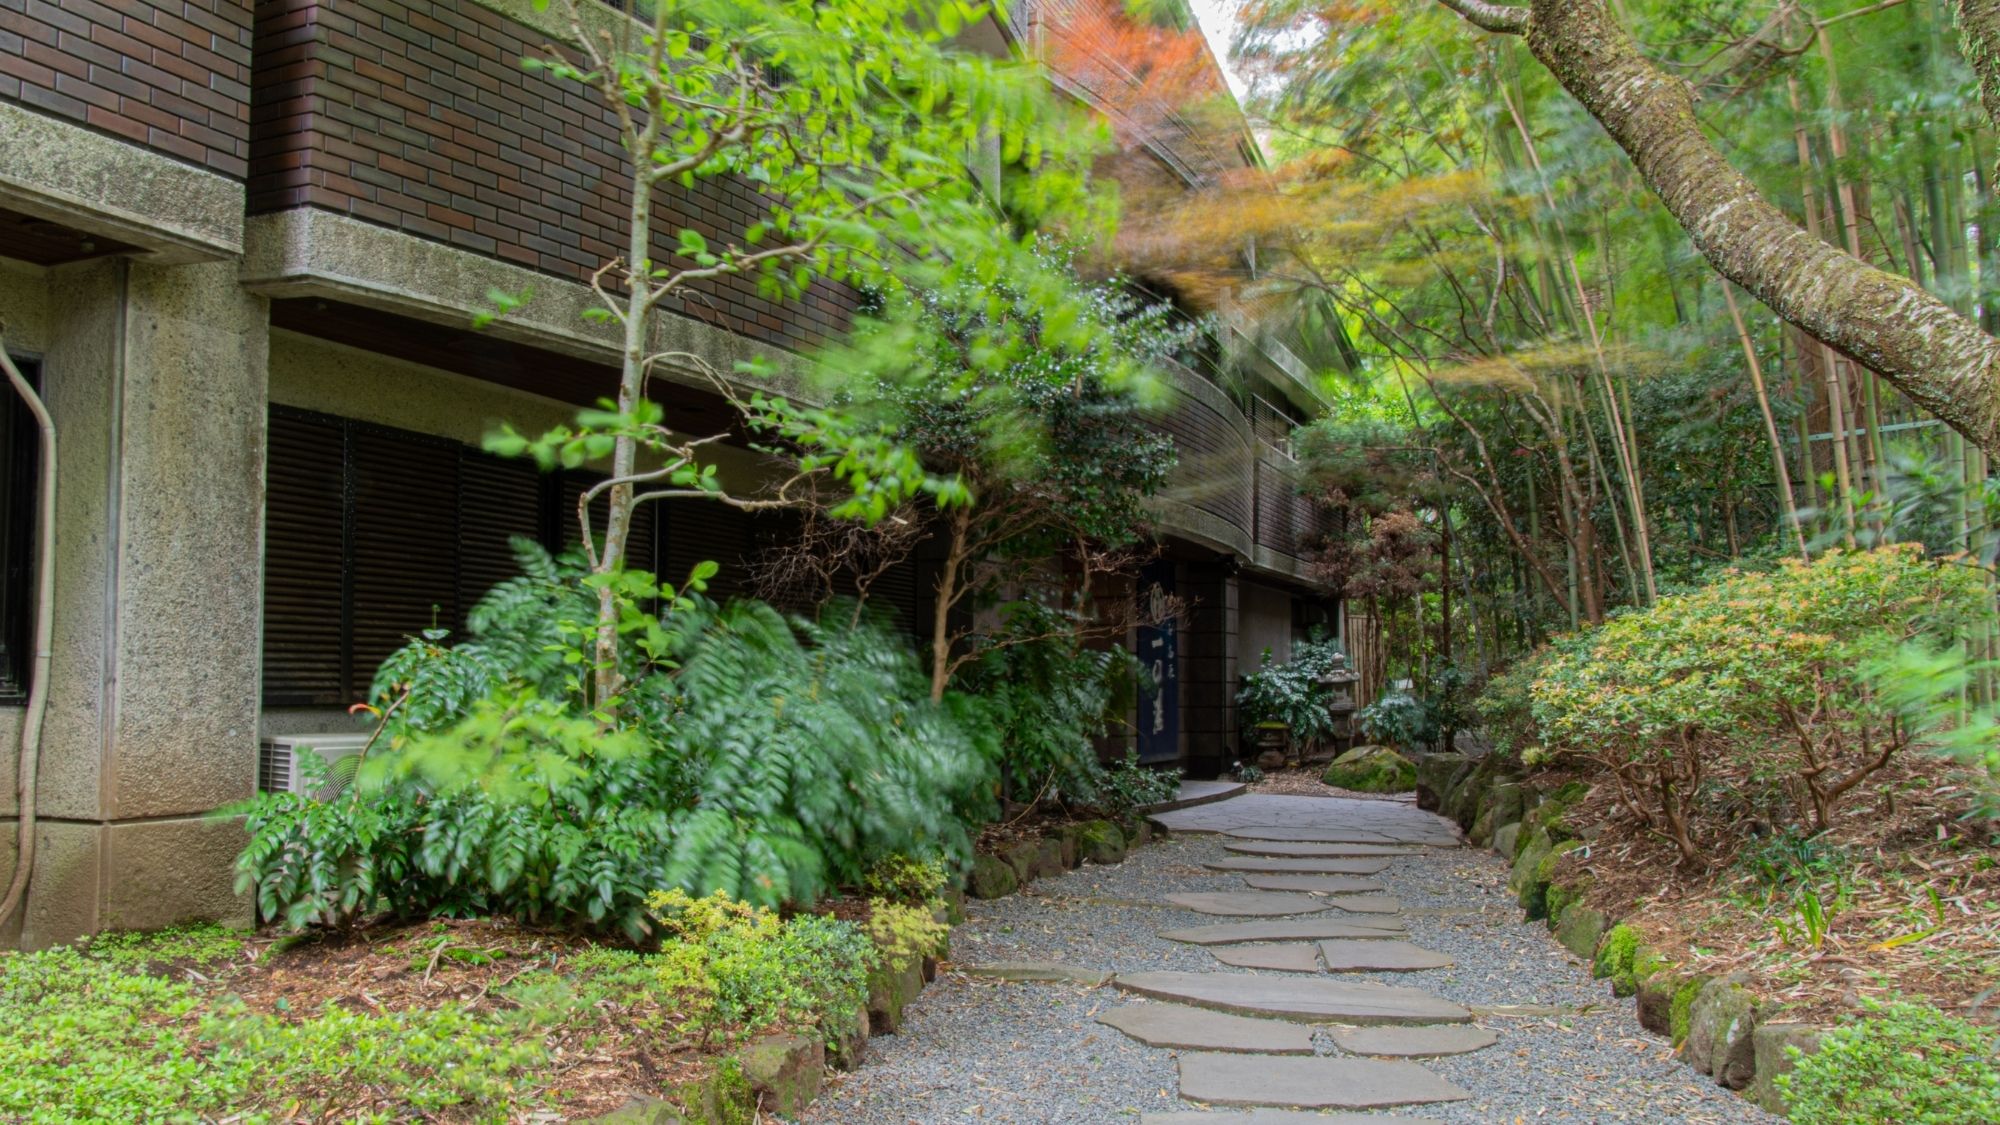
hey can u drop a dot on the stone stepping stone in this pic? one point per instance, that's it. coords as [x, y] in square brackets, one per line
[1365, 904]
[1316, 834]
[1292, 865]
[1313, 884]
[1297, 848]
[1280, 1117]
[1379, 957]
[1198, 1029]
[1039, 972]
[1303, 929]
[1311, 1083]
[1315, 999]
[1414, 1042]
[1296, 958]
[1247, 904]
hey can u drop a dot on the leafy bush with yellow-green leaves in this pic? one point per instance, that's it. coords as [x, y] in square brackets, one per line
[1900, 1063]
[1763, 676]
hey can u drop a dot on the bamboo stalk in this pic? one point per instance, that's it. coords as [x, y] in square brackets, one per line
[1784, 477]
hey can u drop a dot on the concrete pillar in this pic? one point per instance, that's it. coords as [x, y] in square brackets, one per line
[156, 376]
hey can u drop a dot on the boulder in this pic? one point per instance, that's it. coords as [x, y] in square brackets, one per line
[1138, 831]
[891, 988]
[1720, 1040]
[1102, 842]
[1372, 769]
[1505, 802]
[1769, 1050]
[637, 1110]
[1025, 858]
[1437, 774]
[1655, 1003]
[1049, 857]
[991, 878]
[1580, 930]
[783, 1072]
[1505, 838]
[1069, 837]
[1534, 893]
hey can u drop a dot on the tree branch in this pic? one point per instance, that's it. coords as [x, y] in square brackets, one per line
[1501, 18]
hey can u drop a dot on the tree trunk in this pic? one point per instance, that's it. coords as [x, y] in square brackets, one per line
[1939, 359]
[1979, 31]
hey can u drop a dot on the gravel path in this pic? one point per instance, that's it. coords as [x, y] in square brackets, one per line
[982, 1050]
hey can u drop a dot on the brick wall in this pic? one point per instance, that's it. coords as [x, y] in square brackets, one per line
[173, 75]
[417, 114]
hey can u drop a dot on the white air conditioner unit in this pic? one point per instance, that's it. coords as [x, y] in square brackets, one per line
[277, 761]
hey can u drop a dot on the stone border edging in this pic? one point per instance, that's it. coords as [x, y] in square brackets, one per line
[1716, 1024]
[1098, 841]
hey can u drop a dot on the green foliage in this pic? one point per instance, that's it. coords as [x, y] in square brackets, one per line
[88, 1039]
[1049, 439]
[1758, 674]
[1901, 1064]
[1129, 785]
[1400, 719]
[1291, 692]
[737, 966]
[1617, 956]
[816, 750]
[1046, 698]
[902, 931]
[197, 944]
[769, 760]
[1505, 708]
[901, 879]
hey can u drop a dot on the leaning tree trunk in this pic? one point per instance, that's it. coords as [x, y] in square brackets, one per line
[1979, 33]
[1936, 357]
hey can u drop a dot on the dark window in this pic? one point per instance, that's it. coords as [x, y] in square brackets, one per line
[20, 471]
[373, 534]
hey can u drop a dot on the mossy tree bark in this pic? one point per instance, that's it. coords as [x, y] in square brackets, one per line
[1939, 359]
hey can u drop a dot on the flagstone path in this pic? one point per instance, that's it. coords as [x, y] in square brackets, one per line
[1287, 955]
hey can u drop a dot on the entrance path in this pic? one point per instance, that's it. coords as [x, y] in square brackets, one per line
[1369, 969]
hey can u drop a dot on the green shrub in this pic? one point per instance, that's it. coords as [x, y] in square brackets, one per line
[1760, 676]
[1399, 719]
[748, 970]
[1129, 785]
[1291, 693]
[899, 878]
[1046, 700]
[1902, 1064]
[766, 758]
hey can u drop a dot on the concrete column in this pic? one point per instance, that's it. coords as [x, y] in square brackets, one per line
[156, 376]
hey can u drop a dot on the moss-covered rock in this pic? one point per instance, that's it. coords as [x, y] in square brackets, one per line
[1372, 769]
[1680, 1008]
[723, 1098]
[1437, 777]
[991, 878]
[891, 988]
[1505, 838]
[1617, 958]
[637, 1110]
[783, 1072]
[1025, 858]
[1580, 929]
[1771, 1045]
[1102, 842]
[1138, 831]
[1530, 854]
[1534, 888]
[1721, 1021]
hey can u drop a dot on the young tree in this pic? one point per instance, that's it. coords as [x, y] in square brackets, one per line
[1048, 441]
[853, 121]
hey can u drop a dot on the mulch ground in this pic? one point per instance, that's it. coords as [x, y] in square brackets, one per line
[1908, 885]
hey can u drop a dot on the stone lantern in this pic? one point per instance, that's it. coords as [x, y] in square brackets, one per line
[1340, 683]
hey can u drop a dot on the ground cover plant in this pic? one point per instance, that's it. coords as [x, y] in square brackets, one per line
[1901, 1063]
[462, 1021]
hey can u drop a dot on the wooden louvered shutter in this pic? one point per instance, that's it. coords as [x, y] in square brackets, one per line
[405, 546]
[707, 531]
[898, 592]
[498, 500]
[304, 529]
[639, 543]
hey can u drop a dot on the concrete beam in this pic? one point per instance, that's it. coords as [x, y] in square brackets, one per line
[67, 174]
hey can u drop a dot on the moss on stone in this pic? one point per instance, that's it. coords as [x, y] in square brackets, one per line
[1372, 769]
[1684, 998]
[1616, 959]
